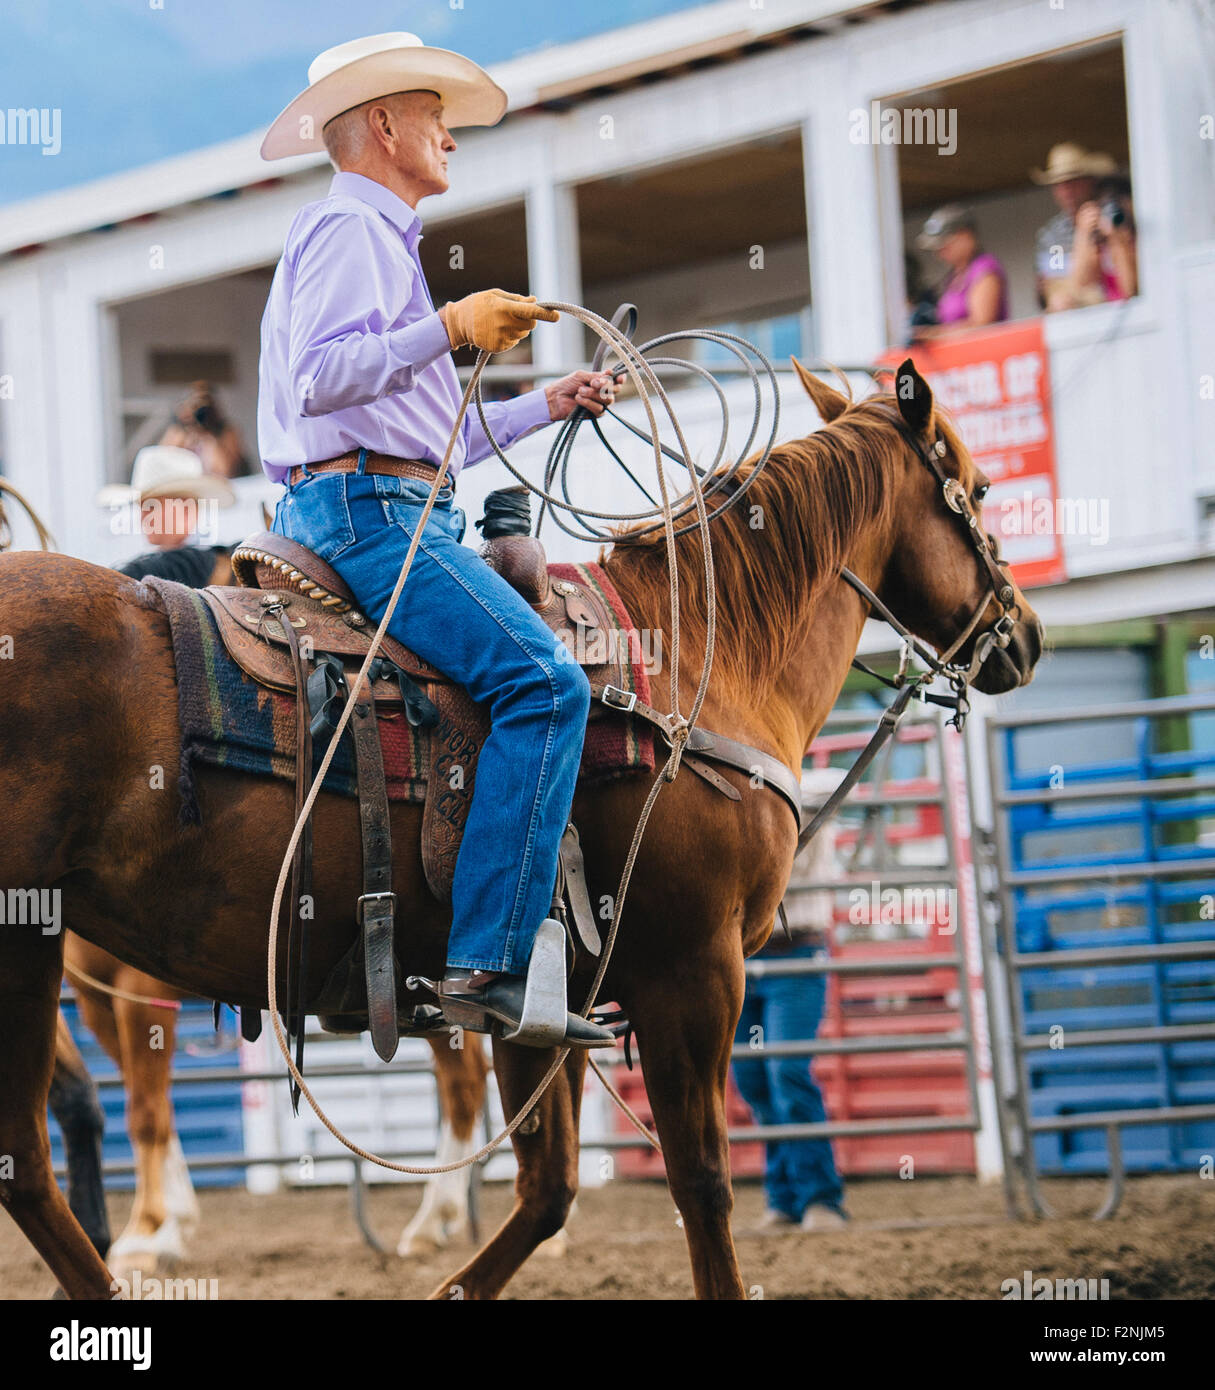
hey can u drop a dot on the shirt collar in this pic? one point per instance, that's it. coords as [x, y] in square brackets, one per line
[384, 200]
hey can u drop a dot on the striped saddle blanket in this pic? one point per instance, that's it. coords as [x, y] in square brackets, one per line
[229, 720]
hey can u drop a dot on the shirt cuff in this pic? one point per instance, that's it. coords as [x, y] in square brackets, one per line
[528, 412]
[418, 344]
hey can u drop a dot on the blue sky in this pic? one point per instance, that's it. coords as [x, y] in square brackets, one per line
[139, 80]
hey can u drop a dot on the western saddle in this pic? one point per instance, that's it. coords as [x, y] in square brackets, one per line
[293, 625]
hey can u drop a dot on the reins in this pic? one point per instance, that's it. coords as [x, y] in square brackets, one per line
[908, 687]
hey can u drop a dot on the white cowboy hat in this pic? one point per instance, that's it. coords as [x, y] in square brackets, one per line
[363, 69]
[1068, 161]
[163, 470]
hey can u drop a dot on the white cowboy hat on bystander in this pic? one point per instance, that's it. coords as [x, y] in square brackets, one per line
[163, 470]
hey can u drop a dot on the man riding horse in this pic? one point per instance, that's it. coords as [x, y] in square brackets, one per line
[358, 397]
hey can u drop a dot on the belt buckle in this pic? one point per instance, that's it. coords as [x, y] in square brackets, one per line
[616, 698]
[365, 898]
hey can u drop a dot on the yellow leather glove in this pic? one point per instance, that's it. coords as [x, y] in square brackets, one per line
[493, 319]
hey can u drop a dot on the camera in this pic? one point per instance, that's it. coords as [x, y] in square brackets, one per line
[1113, 212]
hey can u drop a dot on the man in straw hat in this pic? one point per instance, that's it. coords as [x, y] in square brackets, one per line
[358, 397]
[1086, 253]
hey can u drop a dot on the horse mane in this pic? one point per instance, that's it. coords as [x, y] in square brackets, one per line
[775, 551]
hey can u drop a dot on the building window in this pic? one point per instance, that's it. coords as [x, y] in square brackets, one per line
[717, 239]
[1016, 197]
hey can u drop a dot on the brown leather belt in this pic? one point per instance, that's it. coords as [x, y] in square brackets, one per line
[376, 463]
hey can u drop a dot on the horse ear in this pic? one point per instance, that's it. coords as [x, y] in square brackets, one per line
[829, 403]
[914, 396]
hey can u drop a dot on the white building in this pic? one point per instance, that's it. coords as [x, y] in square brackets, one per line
[705, 167]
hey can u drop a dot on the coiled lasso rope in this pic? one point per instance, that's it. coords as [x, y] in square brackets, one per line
[678, 728]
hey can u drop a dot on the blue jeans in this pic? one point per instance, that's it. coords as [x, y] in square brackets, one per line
[799, 1173]
[465, 619]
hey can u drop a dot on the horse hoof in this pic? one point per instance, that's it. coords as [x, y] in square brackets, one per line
[419, 1246]
[151, 1263]
[555, 1247]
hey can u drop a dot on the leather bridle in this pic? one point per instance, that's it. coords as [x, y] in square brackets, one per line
[914, 685]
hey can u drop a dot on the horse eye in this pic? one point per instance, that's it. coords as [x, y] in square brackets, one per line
[981, 491]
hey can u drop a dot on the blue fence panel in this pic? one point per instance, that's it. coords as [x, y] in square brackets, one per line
[208, 1115]
[1120, 834]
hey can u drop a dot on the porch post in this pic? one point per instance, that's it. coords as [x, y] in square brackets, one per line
[553, 262]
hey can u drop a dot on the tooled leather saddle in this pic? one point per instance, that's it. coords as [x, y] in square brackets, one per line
[293, 625]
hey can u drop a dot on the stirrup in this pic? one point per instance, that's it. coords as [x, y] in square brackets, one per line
[543, 1019]
[542, 1023]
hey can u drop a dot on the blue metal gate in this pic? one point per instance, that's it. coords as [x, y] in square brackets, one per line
[1107, 881]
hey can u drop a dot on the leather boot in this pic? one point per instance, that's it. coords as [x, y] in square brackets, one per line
[530, 1009]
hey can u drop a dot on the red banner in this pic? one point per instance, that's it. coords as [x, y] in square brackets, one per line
[995, 383]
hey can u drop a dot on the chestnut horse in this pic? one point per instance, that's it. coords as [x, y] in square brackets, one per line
[90, 719]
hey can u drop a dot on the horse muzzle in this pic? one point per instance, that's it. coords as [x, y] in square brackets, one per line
[1012, 665]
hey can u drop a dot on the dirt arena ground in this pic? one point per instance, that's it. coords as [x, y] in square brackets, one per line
[931, 1238]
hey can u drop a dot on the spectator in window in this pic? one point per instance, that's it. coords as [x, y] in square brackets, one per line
[974, 292]
[1086, 253]
[801, 1183]
[200, 425]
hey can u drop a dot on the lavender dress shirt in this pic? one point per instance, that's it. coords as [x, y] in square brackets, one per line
[354, 354]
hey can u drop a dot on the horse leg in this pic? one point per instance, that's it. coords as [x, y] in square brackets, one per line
[460, 1073]
[546, 1147]
[153, 1237]
[77, 1109]
[30, 971]
[181, 1201]
[685, 1029]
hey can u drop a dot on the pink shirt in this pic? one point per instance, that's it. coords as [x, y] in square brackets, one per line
[953, 306]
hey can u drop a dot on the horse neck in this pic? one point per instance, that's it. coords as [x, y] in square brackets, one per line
[795, 696]
[805, 689]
